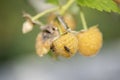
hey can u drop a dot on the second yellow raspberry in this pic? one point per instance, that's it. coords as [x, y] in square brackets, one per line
[90, 41]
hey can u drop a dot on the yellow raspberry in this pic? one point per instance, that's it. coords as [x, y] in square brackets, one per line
[70, 21]
[51, 17]
[89, 41]
[66, 45]
[68, 18]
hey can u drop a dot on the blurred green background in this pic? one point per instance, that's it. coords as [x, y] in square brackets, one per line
[18, 60]
[14, 45]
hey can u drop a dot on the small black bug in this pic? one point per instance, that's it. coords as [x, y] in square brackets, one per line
[67, 49]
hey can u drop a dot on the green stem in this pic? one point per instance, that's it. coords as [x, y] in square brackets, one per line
[63, 9]
[82, 16]
[44, 12]
[66, 6]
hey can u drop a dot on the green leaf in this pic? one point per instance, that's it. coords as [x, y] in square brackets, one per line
[55, 2]
[101, 5]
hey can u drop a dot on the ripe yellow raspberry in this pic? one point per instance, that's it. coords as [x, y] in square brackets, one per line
[66, 45]
[68, 18]
[70, 21]
[89, 41]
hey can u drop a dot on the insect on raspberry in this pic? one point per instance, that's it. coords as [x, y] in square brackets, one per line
[45, 39]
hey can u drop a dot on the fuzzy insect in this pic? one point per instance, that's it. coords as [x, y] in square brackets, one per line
[45, 39]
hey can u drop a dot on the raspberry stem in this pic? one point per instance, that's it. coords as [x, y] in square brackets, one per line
[62, 10]
[82, 16]
[66, 6]
[44, 12]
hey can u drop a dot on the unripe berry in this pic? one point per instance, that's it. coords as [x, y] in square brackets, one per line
[89, 41]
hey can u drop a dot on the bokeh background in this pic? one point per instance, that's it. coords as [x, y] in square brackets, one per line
[18, 60]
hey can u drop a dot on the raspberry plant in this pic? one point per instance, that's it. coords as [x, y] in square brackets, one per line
[60, 36]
